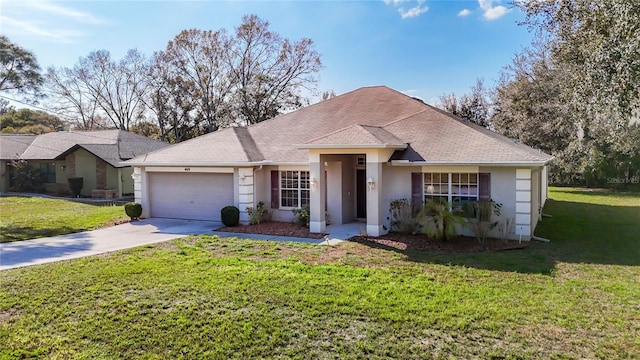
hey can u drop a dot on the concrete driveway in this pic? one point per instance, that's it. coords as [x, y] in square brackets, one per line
[124, 236]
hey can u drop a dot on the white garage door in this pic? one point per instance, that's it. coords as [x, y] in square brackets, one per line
[194, 196]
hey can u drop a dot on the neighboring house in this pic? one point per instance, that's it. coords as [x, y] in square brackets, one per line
[346, 158]
[95, 156]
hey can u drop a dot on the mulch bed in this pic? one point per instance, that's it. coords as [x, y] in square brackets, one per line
[458, 244]
[276, 228]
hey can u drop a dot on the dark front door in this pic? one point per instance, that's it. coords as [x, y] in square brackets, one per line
[361, 194]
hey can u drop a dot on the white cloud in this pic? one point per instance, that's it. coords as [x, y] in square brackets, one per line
[413, 11]
[491, 12]
[76, 15]
[45, 19]
[464, 12]
[63, 36]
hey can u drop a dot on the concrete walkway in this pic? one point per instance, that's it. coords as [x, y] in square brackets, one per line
[148, 231]
[124, 236]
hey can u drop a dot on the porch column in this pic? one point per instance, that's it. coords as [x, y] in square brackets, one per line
[374, 198]
[317, 221]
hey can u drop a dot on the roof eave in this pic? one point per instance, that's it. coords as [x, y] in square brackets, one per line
[134, 162]
[345, 146]
[471, 163]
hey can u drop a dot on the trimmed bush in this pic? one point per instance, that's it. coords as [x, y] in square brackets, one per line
[133, 210]
[230, 216]
[76, 185]
[301, 216]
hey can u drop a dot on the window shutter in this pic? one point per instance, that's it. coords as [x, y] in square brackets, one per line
[275, 189]
[484, 186]
[417, 200]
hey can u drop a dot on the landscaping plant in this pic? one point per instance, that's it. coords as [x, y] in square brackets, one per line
[401, 217]
[230, 216]
[258, 214]
[479, 216]
[133, 210]
[301, 216]
[439, 221]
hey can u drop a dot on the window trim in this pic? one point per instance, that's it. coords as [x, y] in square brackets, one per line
[48, 174]
[299, 189]
[449, 182]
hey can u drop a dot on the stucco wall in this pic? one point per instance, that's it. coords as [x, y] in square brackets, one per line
[85, 165]
[535, 198]
[127, 181]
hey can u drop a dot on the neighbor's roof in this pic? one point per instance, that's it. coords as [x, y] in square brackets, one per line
[112, 146]
[368, 117]
[12, 146]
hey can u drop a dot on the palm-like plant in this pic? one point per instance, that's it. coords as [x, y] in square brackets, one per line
[439, 221]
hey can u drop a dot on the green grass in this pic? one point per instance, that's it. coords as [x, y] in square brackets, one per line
[23, 218]
[209, 297]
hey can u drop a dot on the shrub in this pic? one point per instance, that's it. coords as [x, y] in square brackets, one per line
[258, 214]
[133, 210]
[24, 177]
[401, 218]
[479, 214]
[230, 216]
[301, 216]
[76, 185]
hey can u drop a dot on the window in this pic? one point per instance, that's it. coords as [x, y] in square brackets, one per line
[455, 188]
[48, 172]
[294, 189]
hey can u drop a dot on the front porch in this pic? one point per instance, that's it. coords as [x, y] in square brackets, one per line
[346, 188]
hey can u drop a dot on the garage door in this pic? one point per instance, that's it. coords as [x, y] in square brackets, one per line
[194, 196]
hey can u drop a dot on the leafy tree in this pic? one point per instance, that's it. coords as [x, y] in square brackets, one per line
[26, 121]
[19, 70]
[24, 177]
[575, 94]
[599, 43]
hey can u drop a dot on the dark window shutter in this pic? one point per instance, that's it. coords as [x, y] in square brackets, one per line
[275, 189]
[417, 184]
[484, 186]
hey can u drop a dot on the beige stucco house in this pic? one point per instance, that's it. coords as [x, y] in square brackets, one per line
[346, 158]
[95, 156]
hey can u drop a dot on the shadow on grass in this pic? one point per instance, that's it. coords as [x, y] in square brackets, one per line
[579, 233]
[12, 233]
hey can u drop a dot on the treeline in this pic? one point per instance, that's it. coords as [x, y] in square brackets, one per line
[573, 93]
[204, 80]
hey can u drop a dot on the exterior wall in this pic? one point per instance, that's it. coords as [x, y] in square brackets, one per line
[85, 167]
[523, 204]
[246, 199]
[126, 181]
[536, 211]
[4, 176]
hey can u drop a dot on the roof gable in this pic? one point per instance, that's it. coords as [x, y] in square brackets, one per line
[356, 136]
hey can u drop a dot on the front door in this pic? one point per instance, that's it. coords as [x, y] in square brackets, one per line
[361, 194]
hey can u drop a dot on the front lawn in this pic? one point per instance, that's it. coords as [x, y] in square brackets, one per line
[210, 297]
[23, 218]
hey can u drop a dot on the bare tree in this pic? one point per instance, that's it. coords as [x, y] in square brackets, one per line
[269, 72]
[68, 95]
[98, 85]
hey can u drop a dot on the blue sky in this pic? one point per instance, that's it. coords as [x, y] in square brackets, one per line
[424, 48]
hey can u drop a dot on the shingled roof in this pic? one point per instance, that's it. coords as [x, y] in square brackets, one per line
[367, 117]
[112, 146]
